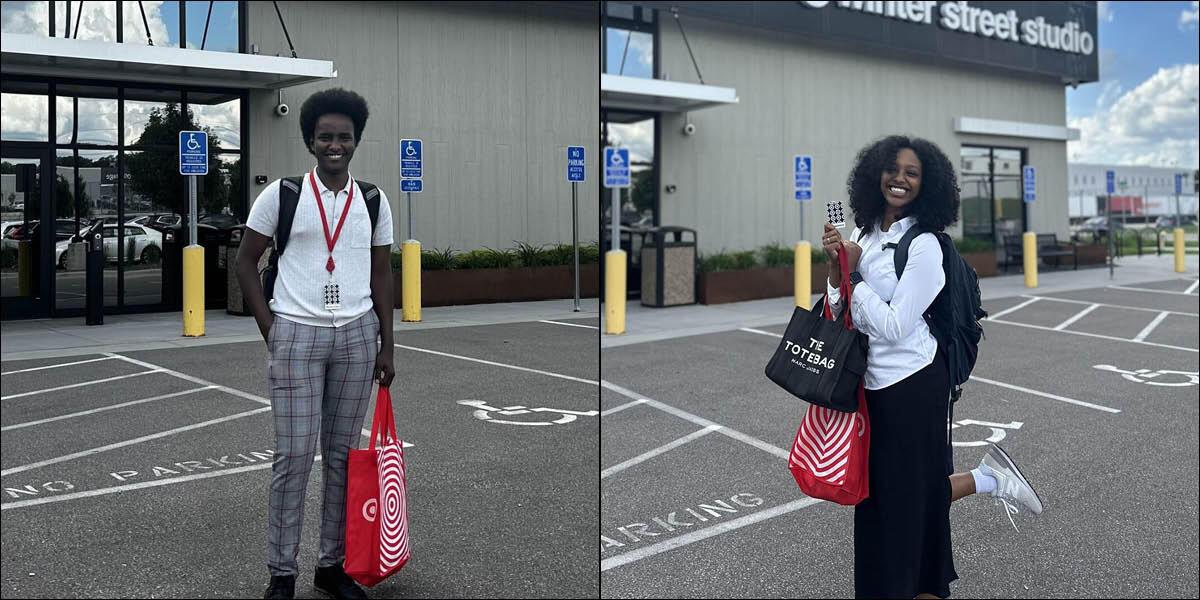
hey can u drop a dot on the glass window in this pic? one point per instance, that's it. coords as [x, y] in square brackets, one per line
[629, 53]
[222, 26]
[24, 117]
[218, 195]
[162, 17]
[152, 110]
[976, 192]
[637, 135]
[86, 20]
[25, 17]
[223, 121]
[97, 121]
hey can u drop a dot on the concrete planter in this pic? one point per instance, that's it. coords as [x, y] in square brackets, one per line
[984, 263]
[482, 286]
[1093, 254]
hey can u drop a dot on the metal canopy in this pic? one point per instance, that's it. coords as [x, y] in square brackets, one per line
[24, 54]
[618, 92]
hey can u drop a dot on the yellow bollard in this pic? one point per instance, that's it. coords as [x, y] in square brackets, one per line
[1179, 250]
[25, 268]
[803, 275]
[614, 292]
[1029, 243]
[410, 274]
[193, 290]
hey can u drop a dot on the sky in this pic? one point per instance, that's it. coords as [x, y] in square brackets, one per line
[1143, 110]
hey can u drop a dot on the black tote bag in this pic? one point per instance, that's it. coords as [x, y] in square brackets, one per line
[821, 360]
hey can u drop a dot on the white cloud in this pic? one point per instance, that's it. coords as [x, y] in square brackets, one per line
[638, 137]
[1189, 18]
[1154, 124]
[1105, 11]
[1111, 91]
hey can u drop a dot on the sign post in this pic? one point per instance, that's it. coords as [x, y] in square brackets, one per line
[802, 253]
[1109, 181]
[411, 172]
[616, 176]
[803, 184]
[576, 172]
[1177, 234]
[193, 163]
[1029, 238]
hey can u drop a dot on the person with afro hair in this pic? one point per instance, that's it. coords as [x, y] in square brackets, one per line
[902, 530]
[328, 329]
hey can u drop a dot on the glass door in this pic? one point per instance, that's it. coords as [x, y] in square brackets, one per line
[25, 245]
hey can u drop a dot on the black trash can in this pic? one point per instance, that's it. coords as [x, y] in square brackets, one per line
[668, 267]
[175, 239]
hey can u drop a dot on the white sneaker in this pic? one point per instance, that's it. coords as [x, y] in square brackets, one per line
[1011, 486]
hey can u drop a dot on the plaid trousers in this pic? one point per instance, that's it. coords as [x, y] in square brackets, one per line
[320, 380]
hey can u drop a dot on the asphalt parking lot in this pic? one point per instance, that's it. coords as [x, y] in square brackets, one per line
[1093, 392]
[145, 474]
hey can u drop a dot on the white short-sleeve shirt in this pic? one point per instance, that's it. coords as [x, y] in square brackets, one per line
[300, 284]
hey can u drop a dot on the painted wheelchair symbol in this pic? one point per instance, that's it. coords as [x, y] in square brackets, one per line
[998, 431]
[192, 144]
[1173, 378]
[485, 413]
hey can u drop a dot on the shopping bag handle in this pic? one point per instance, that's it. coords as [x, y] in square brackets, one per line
[845, 289]
[383, 424]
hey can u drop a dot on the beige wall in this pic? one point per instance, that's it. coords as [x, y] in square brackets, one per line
[496, 91]
[802, 99]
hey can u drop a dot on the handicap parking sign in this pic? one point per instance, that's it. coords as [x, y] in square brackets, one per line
[616, 167]
[803, 177]
[1029, 175]
[193, 153]
[1109, 178]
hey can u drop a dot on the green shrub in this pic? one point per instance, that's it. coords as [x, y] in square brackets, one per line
[395, 261]
[486, 258]
[970, 245]
[528, 255]
[778, 255]
[589, 253]
[438, 260]
[728, 261]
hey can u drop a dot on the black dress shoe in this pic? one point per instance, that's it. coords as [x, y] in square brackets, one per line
[333, 581]
[281, 586]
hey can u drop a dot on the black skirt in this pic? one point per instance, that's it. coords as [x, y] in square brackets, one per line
[902, 530]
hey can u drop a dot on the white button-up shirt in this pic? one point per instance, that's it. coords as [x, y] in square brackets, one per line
[890, 309]
[300, 283]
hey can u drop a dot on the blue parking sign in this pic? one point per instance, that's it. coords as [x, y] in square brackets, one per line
[1029, 175]
[193, 153]
[802, 165]
[1109, 180]
[616, 167]
[1178, 183]
[575, 163]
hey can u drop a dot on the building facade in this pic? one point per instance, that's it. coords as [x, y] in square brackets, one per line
[1140, 194]
[496, 91]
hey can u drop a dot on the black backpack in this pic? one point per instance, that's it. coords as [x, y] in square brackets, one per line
[954, 315]
[289, 197]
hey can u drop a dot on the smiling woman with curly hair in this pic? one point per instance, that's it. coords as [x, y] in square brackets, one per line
[902, 530]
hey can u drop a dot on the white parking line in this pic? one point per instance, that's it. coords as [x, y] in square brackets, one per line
[75, 385]
[1192, 288]
[1152, 291]
[568, 324]
[145, 438]
[1031, 300]
[1150, 328]
[703, 534]
[701, 421]
[622, 407]
[1096, 335]
[695, 435]
[496, 364]
[104, 408]
[1044, 394]
[1139, 308]
[1079, 315]
[57, 366]
[760, 332]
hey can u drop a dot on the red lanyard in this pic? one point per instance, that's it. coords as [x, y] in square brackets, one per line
[331, 241]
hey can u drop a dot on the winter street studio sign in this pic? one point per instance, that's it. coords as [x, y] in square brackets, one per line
[962, 17]
[1044, 39]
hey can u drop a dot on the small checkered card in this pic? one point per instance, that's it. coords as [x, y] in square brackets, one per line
[834, 212]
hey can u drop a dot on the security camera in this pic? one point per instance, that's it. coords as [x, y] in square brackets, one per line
[689, 129]
[282, 109]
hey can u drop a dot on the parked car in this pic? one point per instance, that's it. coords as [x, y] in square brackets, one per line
[142, 244]
[1169, 222]
[220, 221]
[1097, 227]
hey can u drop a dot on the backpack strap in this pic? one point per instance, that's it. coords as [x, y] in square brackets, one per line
[370, 195]
[289, 197]
[900, 258]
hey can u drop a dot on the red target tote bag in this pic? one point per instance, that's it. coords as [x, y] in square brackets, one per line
[376, 507]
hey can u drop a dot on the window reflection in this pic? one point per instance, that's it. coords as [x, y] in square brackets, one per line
[97, 121]
[24, 117]
[25, 17]
[148, 222]
[629, 53]
[223, 121]
[140, 106]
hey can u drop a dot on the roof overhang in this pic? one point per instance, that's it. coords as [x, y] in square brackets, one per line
[618, 92]
[1016, 129]
[24, 54]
